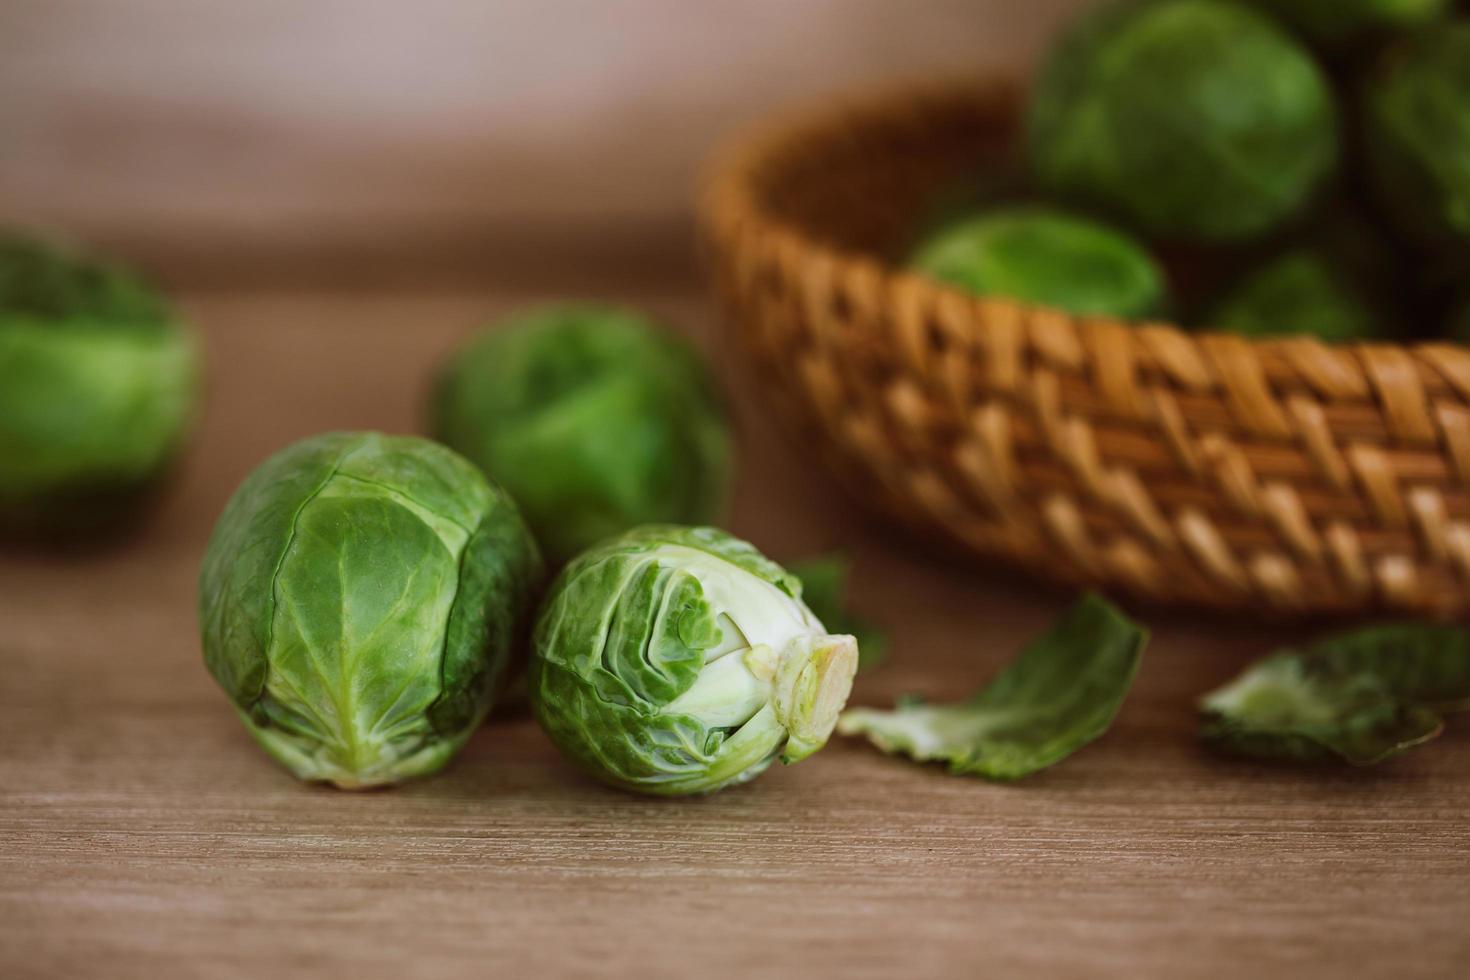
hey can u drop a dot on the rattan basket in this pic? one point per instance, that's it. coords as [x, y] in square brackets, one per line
[1191, 468]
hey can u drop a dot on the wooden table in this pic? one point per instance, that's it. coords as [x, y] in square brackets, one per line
[142, 834]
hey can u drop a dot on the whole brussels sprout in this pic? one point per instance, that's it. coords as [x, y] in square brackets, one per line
[1193, 120]
[1331, 24]
[592, 417]
[1299, 292]
[98, 382]
[1418, 135]
[675, 660]
[1038, 255]
[359, 602]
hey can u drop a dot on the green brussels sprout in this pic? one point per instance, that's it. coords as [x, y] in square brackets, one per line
[1418, 136]
[674, 660]
[359, 602]
[1299, 292]
[1193, 120]
[98, 383]
[1333, 24]
[1043, 256]
[593, 418]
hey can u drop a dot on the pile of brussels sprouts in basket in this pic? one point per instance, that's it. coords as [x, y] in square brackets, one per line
[1269, 167]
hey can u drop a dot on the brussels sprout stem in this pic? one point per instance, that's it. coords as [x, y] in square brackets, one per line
[798, 692]
[812, 685]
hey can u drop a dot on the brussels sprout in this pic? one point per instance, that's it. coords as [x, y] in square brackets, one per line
[1194, 120]
[1332, 24]
[359, 602]
[1458, 326]
[1300, 292]
[1043, 256]
[593, 418]
[674, 660]
[97, 389]
[1418, 136]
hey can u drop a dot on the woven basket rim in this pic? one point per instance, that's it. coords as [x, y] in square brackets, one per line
[1316, 477]
[726, 188]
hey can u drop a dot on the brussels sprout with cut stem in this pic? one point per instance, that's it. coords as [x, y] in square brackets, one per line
[593, 418]
[1040, 255]
[1191, 120]
[1418, 137]
[674, 660]
[359, 602]
[98, 383]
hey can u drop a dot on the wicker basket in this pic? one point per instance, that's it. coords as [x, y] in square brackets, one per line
[1195, 468]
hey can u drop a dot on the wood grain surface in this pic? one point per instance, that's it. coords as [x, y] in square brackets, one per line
[142, 833]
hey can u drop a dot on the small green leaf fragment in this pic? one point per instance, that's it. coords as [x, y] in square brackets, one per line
[1423, 664]
[1061, 693]
[1304, 707]
[1363, 696]
[824, 590]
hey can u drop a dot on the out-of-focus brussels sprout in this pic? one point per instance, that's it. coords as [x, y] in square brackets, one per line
[675, 660]
[1458, 326]
[593, 418]
[1418, 135]
[97, 388]
[1038, 255]
[359, 602]
[1193, 120]
[1300, 292]
[1332, 24]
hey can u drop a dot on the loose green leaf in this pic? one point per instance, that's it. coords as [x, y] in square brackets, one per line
[1061, 693]
[1363, 696]
[1424, 665]
[1303, 708]
[824, 590]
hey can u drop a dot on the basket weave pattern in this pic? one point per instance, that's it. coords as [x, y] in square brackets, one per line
[1196, 468]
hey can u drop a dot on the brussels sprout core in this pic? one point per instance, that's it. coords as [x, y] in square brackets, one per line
[679, 660]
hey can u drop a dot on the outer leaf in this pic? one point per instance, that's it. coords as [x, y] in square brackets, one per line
[824, 590]
[1305, 708]
[1061, 693]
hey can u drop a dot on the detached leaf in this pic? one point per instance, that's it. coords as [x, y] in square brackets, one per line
[1363, 696]
[1061, 693]
[824, 590]
[1423, 665]
[1307, 708]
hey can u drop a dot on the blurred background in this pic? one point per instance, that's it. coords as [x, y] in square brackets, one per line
[218, 140]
